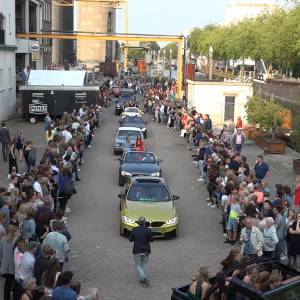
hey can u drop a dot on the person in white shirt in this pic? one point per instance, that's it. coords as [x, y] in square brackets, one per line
[67, 135]
[27, 261]
[37, 186]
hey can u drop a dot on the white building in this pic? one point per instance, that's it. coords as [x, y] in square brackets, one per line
[222, 100]
[237, 10]
[7, 59]
[31, 16]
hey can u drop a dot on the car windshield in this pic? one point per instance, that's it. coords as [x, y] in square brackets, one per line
[132, 109]
[131, 120]
[124, 133]
[139, 157]
[148, 192]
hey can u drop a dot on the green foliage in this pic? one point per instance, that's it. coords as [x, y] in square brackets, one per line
[275, 38]
[268, 114]
[139, 53]
[174, 48]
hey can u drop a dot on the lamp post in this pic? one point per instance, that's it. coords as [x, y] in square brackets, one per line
[210, 54]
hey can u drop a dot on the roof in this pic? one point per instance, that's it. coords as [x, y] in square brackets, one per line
[56, 78]
[130, 128]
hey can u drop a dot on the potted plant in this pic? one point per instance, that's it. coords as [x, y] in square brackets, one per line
[269, 115]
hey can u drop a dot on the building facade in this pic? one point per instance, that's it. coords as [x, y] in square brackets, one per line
[237, 10]
[7, 59]
[95, 17]
[222, 100]
[63, 51]
[33, 16]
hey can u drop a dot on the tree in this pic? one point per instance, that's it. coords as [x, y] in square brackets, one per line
[174, 48]
[139, 53]
[268, 114]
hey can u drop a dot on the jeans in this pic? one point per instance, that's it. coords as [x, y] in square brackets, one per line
[202, 164]
[140, 262]
[238, 148]
[8, 285]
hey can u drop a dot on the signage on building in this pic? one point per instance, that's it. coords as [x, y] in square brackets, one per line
[38, 109]
[35, 56]
[35, 47]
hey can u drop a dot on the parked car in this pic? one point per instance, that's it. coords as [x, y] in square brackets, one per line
[149, 197]
[138, 163]
[235, 288]
[121, 135]
[247, 69]
[135, 122]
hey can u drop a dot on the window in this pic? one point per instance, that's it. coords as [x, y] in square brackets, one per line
[229, 108]
[47, 12]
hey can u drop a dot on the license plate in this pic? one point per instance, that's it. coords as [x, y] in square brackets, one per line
[38, 108]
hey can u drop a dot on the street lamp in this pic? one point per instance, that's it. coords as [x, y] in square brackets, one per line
[210, 54]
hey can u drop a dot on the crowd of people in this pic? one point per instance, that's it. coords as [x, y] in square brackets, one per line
[34, 233]
[262, 223]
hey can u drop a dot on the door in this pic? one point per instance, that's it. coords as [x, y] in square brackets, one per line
[229, 108]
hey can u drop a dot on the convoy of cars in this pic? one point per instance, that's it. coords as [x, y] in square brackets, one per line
[145, 192]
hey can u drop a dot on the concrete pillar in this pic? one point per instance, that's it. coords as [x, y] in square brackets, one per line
[26, 15]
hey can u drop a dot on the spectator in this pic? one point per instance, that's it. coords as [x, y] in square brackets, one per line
[237, 141]
[42, 262]
[29, 285]
[200, 284]
[27, 262]
[4, 140]
[7, 267]
[58, 241]
[50, 275]
[294, 244]
[270, 238]
[252, 240]
[63, 291]
[261, 168]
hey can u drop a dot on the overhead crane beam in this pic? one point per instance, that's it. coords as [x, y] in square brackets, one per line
[116, 37]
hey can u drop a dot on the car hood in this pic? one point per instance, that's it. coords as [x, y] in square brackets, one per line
[152, 211]
[140, 168]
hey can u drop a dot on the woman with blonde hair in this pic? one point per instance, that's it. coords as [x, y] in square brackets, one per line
[7, 268]
[200, 284]
[29, 286]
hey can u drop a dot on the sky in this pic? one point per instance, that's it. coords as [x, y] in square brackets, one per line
[172, 16]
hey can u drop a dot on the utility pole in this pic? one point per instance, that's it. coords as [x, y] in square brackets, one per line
[126, 32]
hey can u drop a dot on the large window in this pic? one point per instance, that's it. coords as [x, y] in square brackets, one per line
[1, 21]
[229, 108]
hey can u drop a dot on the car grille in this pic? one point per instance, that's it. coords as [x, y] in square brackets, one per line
[157, 224]
[154, 224]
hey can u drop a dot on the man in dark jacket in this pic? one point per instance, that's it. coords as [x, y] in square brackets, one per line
[142, 237]
[4, 140]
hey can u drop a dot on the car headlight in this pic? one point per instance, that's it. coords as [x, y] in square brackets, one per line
[118, 105]
[125, 173]
[128, 220]
[118, 145]
[172, 221]
[157, 174]
[144, 129]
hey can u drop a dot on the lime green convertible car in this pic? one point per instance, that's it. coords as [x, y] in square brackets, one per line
[149, 197]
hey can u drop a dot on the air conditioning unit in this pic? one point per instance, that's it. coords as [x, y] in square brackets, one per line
[2, 37]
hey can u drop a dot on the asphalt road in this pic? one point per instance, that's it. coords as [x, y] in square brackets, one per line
[101, 258]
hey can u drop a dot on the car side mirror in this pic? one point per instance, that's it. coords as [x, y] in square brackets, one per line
[174, 197]
[159, 160]
[121, 195]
